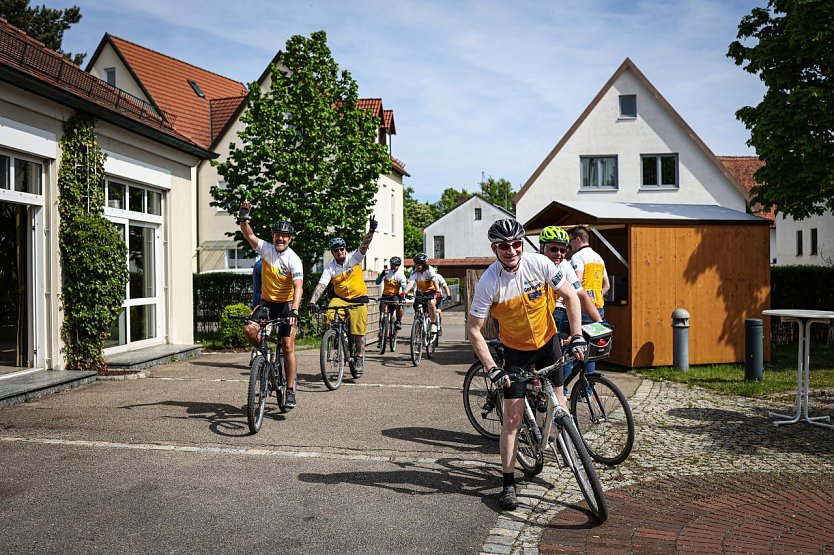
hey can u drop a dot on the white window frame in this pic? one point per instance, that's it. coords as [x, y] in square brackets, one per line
[237, 258]
[658, 169]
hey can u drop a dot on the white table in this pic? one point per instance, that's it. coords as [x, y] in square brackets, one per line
[804, 319]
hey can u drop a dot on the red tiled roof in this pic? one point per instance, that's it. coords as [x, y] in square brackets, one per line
[388, 121]
[221, 110]
[372, 104]
[399, 166]
[166, 81]
[743, 168]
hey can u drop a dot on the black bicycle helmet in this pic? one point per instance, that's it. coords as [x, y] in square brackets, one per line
[336, 243]
[283, 227]
[396, 261]
[421, 259]
[505, 230]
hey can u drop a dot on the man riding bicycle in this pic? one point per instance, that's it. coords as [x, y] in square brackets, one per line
[282, 280]
[345, 271]
[394, 282]
[424, 278]
[513, 290]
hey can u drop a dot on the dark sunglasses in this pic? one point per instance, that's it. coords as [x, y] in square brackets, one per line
[337, 249]
[562, 250]
[506, 246]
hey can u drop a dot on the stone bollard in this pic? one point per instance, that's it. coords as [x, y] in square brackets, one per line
[753, 347]
[680, 339]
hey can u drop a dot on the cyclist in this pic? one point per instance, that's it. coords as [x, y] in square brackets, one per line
[345, 271]
[590, 269]
[395, 282]
[512, 290]
[424, 278]
[282, 279]
[439, 298]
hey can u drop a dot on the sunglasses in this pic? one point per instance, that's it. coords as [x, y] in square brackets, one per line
[281, 236]
[562, 250]
[337, 249]
[506, 246]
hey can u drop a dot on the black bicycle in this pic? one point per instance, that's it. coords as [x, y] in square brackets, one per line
[388, 333]
[266, 370]
[422, 339]
[337, 348]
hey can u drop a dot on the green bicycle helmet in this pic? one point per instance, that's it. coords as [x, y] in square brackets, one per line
[553, 234]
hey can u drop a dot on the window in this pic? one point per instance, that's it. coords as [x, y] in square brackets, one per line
[22, 176]
[814, 250]
[799, 242]
[196, 88]
[393, 214]
[5, 172]
[239, 258]
[477, 213]
[659, 170]
[439, 247]
[598, 172]
[110, 75]
[628, 105]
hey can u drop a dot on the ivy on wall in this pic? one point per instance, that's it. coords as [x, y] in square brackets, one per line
[93, 253]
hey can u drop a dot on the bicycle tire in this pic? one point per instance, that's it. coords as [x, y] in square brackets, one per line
[255, 398]
[431, 341]
[579, 462]
[392, 337]
[417, 341]
[332, 360]
[483, 402]
[280, 383]
[383, 332]
[604, 419]
[528, 452]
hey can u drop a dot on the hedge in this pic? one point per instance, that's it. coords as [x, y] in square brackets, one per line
[805, 287]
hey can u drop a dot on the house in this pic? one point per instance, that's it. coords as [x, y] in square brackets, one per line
[148, 191]
[668, 217]
[462, 232]
[208, 107]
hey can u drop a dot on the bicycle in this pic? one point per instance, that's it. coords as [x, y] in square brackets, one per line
[337, 348]
[422, 340]
[599, 408]
[266, 371]
[387, 329]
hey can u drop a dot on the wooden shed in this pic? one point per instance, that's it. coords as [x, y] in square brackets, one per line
[711, 261]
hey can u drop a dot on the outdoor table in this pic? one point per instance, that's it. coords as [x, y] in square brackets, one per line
[804, 319]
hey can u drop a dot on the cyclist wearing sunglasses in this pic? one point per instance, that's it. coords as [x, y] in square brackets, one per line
[345, 272]
[513, 290]
[424, 278]
[394, 281]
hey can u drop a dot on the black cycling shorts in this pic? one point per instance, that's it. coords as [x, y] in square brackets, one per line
[545, 355]
[277, 310]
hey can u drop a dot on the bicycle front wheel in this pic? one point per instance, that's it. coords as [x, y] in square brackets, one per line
[431, 341]
[483, 402]
[280, 384]
[383, 332]
[392, 336]
[528, 452]
[579, 461]
[417, 341]
[603, 417]
[332, 360]
[257, 394]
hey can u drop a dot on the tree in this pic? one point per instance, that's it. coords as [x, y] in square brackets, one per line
[308, 153]
[499, 192]
[792, 128]
[44, 24]
[451, 199]
[417, 216]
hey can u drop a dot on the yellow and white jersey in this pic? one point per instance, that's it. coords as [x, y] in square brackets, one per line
[278, 271]
[519, 301]
[555, 300]
[592, 267]
[347, 278]
[393, 283]
[424, 280]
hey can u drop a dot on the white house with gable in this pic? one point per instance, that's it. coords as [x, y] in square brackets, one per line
[462, 232]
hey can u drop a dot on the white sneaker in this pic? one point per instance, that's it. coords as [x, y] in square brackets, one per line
[433, 328]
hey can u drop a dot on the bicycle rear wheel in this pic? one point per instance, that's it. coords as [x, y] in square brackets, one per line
[332, 360]
[603, 418]
[528, 452]
[483, 402]
[417, 341]
[576, 457]
[392, 336]
[383, 332]
[257, 393]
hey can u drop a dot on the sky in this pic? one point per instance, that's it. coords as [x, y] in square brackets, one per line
[479, 88]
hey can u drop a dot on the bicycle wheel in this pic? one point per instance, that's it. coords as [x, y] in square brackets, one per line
[383, 332]
[483, 402]
[392, 336]
[528, 452]
[577, 458]
[417, 340]
[431, 340]
[257, 394]
[280, 383]
[332, 360]
[603, 418]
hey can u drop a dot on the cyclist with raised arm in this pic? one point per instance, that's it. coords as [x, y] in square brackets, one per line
[394, 281]
[423, 277]
[282, 280]
[345, 272]
[513, 291]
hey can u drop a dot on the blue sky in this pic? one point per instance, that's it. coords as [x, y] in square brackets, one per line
[477, 86]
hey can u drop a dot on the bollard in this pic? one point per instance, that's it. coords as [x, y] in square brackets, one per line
[680, 339]
[753, 345]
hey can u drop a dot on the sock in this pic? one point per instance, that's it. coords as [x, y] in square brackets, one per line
[509, 479]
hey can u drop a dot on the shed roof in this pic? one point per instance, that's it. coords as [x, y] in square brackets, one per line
[574, 212]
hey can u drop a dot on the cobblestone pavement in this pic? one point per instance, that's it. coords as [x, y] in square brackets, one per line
[708, 474]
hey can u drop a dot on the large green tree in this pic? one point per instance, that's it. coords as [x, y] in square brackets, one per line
[790, 45]
[44, 24]
[451, 199]
[499, 192]
[307, 154]
[417, 216]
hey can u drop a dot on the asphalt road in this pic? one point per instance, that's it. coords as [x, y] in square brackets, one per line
[388, 464]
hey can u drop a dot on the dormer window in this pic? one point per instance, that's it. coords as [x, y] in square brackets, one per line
[628, 106]
[196, 88]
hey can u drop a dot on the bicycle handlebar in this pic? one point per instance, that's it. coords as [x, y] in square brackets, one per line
[249, 319]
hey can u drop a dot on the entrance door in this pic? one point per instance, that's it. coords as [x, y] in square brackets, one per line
[15, 288]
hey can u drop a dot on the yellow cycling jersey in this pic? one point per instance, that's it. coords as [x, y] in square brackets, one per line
[348, 281]
[424, 280]
[393, 282]
[278, 271]
[593, 272]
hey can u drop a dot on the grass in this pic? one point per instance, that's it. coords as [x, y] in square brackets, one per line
[779, 376]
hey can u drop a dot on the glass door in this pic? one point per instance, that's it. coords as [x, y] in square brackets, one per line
[15, 288]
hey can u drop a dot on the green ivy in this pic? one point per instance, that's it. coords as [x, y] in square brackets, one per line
[93, 253]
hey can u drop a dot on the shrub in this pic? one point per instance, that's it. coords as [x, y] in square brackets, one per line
[230, 334]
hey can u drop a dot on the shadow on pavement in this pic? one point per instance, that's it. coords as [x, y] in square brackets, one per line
[446, 439]
[223, 419]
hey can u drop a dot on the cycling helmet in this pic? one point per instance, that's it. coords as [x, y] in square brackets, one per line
[505, 230]
[421, 259]
[283, 227]
[553, 234]
[336, 242]
[396, 261]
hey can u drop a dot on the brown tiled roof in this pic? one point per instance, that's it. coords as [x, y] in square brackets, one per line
[166, 81]
[388, 121]
[221, 110]
[372, 104]
[45, 72]
[399, 166]
[743, 168]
